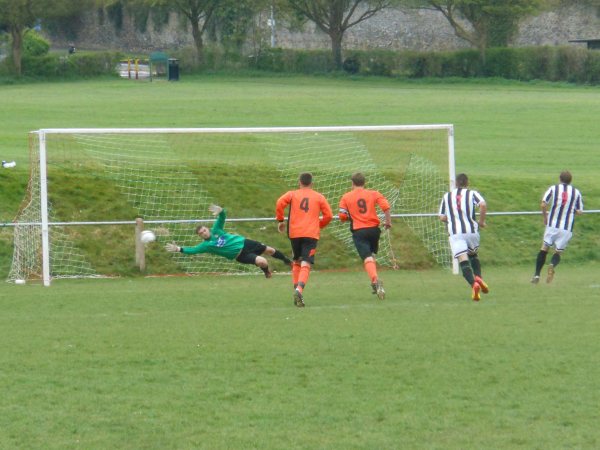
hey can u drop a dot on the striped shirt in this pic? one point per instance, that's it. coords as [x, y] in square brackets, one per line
[459, 206]
[564, 201]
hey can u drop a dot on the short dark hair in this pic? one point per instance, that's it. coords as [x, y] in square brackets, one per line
[566, 177]
[462, 180]
[358, 179]
[305, 178]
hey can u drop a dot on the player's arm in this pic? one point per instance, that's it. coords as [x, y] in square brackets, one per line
[579, 205]
[282, 203]
[327, 214]
[221, 214]
[482, 213]
[385, 207]
[174, 248]
[442, 213]
[343, 214]
[388, 219]
[544, 208]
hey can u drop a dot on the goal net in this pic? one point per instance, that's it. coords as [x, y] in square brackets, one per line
[88, 186]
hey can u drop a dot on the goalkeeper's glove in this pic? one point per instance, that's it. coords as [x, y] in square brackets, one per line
[215, 209]
[172, 247]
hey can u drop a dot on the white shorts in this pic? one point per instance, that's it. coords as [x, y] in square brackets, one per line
[557, 238]
[464, 243]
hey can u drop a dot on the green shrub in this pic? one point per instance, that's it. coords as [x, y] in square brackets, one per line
[34, 44]
[83, 64]
[592, 67]
[462, 63]
[351, 65]
[293, 61]
[502, 62]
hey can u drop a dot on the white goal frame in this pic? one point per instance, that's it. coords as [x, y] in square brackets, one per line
[43, 133]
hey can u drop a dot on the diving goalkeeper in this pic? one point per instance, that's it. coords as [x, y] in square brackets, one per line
[230, 246]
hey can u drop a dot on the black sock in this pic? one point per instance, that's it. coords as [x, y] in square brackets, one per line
[475, 264]
[555, 259]
[265, 269]
[281, 257]
[467, 272]
[539, 263]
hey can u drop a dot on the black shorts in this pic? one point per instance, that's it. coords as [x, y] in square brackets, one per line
[366, 241]
[304, 249]
[250, 251]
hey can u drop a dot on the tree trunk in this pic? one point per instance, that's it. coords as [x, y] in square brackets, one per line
[198, 43]
[17, 48]
[336, 48]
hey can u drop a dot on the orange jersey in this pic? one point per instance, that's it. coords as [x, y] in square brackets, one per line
[303, 217]
[359, 205]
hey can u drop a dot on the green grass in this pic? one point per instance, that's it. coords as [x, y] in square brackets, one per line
[229, 362]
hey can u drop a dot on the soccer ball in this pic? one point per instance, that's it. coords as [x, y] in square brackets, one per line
[147, 236]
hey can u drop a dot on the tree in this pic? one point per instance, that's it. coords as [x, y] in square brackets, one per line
[234, 20]
[334, 17]
[17, 17]
[197, 13]
[492, 23]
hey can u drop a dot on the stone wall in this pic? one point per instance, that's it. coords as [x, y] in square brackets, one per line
[393, 29]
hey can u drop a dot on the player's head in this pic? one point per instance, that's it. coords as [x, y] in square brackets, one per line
[358, 179]
[566, 177]
[462, 180]
[203, 232]
[305, 179]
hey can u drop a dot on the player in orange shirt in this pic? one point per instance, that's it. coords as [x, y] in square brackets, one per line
[303, 228]
[359, 206]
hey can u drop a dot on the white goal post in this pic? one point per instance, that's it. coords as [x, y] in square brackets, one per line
[168, 176]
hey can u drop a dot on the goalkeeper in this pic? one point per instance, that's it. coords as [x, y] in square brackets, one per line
[230, 246]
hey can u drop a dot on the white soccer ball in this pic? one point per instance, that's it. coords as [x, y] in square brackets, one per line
[147, 236]
[19, 281]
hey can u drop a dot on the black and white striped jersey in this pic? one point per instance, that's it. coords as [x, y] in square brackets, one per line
[563, 200]
[459, 207]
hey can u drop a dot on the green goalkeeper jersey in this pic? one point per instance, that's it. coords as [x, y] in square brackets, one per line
[219, 243]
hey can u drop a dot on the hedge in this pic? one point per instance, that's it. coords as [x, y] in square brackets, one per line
[562, 64]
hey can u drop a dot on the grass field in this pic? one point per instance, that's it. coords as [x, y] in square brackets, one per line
[222, 363]
[229, 363]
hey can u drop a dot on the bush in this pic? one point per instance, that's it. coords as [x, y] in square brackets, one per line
[293, 61]
[351, 65]
[34, 44]
[502, 62]
[85, 64]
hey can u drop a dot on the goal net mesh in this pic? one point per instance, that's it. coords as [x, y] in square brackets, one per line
[99, 183]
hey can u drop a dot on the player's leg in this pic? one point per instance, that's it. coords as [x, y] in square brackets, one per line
[549, 237]
[246, 256]
[366, 243]
[551, 267]
[560, 244]
[539, 263]
[473, 247]
[309, 248]
[277, 255]
[264, 266]
[296, 259]
[458, 245]
[476, 267]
